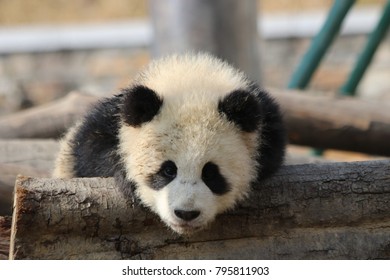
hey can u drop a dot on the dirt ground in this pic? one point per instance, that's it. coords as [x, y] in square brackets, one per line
[62, 11]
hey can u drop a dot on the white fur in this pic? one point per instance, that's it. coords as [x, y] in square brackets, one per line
[63, 167]
[190, 131]
[180, 75]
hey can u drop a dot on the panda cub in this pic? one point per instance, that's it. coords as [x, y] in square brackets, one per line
[188, 139]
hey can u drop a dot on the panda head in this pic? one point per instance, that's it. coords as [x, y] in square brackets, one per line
[189, 139]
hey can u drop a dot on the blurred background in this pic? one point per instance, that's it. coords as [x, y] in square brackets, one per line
[50, 47]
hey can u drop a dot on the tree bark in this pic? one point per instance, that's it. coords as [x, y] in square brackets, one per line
[312, 211]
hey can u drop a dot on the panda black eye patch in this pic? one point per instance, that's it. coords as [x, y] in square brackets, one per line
[164, 176]
[168, 170]
[213, 179]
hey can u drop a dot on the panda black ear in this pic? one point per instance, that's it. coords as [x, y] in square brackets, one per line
[140, 105]
[243, 108]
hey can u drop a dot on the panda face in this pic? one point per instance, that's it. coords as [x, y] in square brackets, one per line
[190, 162]
[189, 139]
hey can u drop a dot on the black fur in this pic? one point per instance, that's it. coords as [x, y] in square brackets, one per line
[272, 134]
[140, 105]
[95, 145]
[214, 179]
[253, 109]
[164, 176]
[242, 108]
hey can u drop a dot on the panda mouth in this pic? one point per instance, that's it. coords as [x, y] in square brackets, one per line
[185, 228]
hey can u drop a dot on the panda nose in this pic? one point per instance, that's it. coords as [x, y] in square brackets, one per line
[187, 215]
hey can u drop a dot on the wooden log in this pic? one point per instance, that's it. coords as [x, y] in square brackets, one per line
[312, 211]
[46, 121]
[29, 157]
[342, 123]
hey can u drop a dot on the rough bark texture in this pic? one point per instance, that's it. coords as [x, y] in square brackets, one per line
[319, 121]
[313, 211]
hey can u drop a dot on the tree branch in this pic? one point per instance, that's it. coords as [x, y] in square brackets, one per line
[312, 211]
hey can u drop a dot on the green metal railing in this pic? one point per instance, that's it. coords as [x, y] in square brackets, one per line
[320, 44]
[349, 88]
[322, 41]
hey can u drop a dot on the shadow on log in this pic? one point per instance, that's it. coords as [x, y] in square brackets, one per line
[311, 211]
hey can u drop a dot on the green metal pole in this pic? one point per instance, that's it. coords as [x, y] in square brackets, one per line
[349, 88]
[309, 63]
[320, 44]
